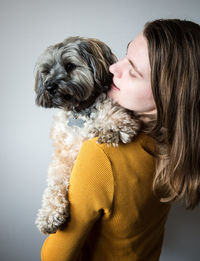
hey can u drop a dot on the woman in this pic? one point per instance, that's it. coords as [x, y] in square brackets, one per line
[120, 197]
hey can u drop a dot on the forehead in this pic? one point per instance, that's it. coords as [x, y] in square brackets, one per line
[139, 42]
[137, 51]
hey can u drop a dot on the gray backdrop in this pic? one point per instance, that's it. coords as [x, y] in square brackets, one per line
[27, 27]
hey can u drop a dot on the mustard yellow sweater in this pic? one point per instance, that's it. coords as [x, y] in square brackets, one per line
[114, 213]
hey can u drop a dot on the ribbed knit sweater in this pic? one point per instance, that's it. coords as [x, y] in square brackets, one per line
[114, 215]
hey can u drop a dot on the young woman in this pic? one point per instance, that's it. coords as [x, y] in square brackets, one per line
[120, 197]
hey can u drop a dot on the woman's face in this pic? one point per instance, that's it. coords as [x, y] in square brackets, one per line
[131, 86]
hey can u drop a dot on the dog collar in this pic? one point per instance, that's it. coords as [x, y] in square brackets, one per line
[76, 122]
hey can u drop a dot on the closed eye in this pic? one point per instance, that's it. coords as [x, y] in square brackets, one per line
[132, 73]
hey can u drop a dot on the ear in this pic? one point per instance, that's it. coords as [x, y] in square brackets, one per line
[102, 76]
[38, 82]
[99, 57]
[104, 58]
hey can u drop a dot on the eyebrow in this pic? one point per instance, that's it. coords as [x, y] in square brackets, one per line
[132, 64]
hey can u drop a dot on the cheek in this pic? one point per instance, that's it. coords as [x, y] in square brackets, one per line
[150, 94]
[141, 97]
[145, 91]
[134, 95]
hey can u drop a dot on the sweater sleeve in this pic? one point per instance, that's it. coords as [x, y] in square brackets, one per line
[90, 194]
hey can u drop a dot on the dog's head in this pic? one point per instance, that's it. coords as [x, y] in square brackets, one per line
[71, 74]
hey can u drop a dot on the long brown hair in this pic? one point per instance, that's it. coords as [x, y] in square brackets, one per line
[174, 54]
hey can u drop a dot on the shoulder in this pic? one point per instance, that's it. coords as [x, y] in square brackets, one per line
[101, 159]
[91, 180]
[140, 144]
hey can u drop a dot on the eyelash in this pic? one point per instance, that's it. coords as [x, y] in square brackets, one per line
[131, 73]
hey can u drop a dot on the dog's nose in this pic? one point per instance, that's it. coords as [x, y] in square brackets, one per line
[52, 88]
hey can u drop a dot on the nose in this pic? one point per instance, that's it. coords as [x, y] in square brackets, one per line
[116, 69]
[51, 88]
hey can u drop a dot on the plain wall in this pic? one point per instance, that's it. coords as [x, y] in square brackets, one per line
[26, 29]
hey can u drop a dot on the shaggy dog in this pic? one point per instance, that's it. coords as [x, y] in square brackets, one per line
[74, 76]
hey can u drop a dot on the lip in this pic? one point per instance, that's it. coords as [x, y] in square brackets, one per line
[114, 87]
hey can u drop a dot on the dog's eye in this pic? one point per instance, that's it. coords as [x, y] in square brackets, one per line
[69, 67]
[45, 71]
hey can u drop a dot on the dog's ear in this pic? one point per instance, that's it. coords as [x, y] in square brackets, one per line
[38, 82]
[99, 57]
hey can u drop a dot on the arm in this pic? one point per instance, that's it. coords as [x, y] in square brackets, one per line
[90, 191]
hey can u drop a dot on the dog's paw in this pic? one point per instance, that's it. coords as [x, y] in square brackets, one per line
[121, 132]
[129, 131]
[49, 223]
[109, 137]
